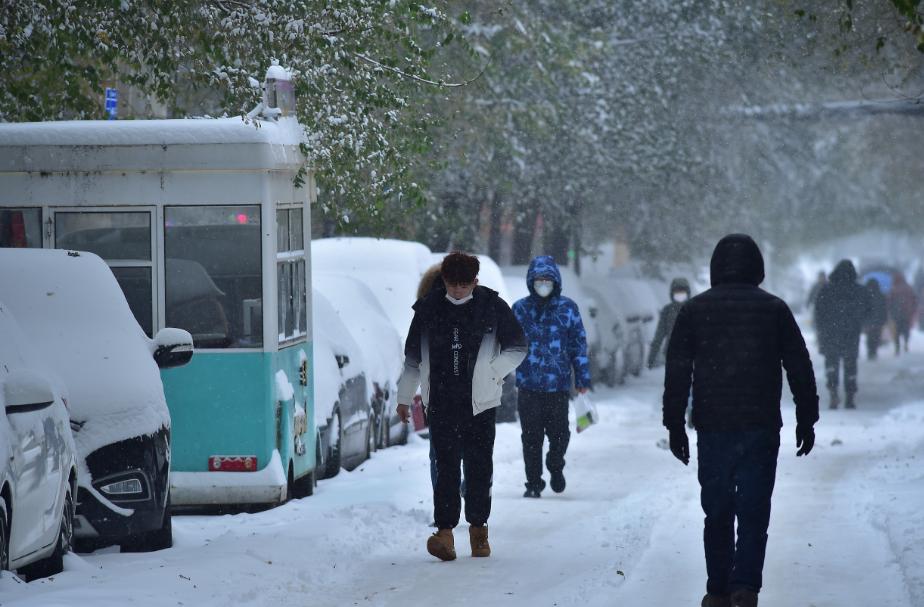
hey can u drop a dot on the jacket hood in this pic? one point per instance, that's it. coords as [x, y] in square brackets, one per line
[845, 272]
[543, 265]
[430, 281]
[680, 284]
[736, 259]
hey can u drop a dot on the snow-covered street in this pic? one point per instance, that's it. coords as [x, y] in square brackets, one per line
[847, 528]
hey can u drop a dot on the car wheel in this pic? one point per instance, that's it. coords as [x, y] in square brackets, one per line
[371, 431]
[151, 541]
[304, 486]
[334, 458]
[54, 563]
[4, 537]
[384, 430]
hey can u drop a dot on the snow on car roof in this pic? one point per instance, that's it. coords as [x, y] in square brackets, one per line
[367, 322]
[74, 312]
[189, 131]
[390, 268]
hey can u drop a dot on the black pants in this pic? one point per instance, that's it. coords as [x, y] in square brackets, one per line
[873, 341]
[833, 368]
[453, 435]
[737, 471]
[543, 414]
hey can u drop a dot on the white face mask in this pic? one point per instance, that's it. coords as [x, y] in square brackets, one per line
[680, 296]
[543, 288]
[459, 302]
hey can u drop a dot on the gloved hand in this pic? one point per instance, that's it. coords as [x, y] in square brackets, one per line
[680, 444]
[805, 439]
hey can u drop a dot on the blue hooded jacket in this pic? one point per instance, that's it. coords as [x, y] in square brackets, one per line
[555, 331]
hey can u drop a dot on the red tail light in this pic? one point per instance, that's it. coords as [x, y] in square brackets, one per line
[233, 463]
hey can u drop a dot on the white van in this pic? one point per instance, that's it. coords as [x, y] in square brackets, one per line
[71, 308]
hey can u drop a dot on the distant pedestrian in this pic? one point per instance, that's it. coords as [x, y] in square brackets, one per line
[903, 305]
[842, 310]
[878, 316]
[820, 282]
[680, 293]
[730, 344]
[460, 345]
[557, 361]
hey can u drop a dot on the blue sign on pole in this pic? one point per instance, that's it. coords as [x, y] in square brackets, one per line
[112, 102]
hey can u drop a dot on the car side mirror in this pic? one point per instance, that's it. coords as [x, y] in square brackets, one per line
[25, 391]
[172, 348]
[342, 360]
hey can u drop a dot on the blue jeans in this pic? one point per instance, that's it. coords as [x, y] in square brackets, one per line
[737, 471]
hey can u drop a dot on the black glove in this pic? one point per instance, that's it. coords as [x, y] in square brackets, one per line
[680, 444]
[805, 439]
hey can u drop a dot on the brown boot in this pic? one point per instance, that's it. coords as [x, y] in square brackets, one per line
[716, 600]
[744, 598]
[442, 545]
[478, 536]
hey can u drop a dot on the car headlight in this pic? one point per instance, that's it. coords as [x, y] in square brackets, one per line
[131, 486]
[126, 486]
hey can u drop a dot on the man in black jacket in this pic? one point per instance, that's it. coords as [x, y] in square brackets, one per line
[461, 344]
[842, 308]
[680, 293]
[731, 343]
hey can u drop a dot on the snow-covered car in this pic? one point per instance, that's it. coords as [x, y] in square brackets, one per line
[73, 311]
[38, 465]
[342, 411]
[390, 268]
[627, 312]
[364, 318]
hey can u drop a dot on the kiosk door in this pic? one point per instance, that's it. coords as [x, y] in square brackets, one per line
[124, 238]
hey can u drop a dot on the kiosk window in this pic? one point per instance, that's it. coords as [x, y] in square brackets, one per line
[213, 279]
[291, 275]
[123, 240]
[20, 228]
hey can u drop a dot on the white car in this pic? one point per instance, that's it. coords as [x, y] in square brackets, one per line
[71, 308]
[364, 318]
[343, 412]
[38, 465]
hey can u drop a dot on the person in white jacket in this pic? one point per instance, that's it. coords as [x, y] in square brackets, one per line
[460, 346]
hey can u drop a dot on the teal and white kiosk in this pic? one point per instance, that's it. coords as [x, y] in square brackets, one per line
[205, 228]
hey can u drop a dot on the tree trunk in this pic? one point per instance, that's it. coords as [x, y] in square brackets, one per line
[496, 216]
[524, 230]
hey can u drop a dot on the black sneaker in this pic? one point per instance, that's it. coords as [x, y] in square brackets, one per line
[557, 482]
[532, 493]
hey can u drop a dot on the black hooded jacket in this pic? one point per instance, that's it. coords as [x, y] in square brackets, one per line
[732, 343]
[842, 309]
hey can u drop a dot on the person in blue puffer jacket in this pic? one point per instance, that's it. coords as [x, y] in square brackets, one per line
[557, 361]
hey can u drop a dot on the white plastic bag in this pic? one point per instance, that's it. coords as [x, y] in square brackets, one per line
[584, 412]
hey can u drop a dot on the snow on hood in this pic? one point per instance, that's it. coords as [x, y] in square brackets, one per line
[74, 313]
